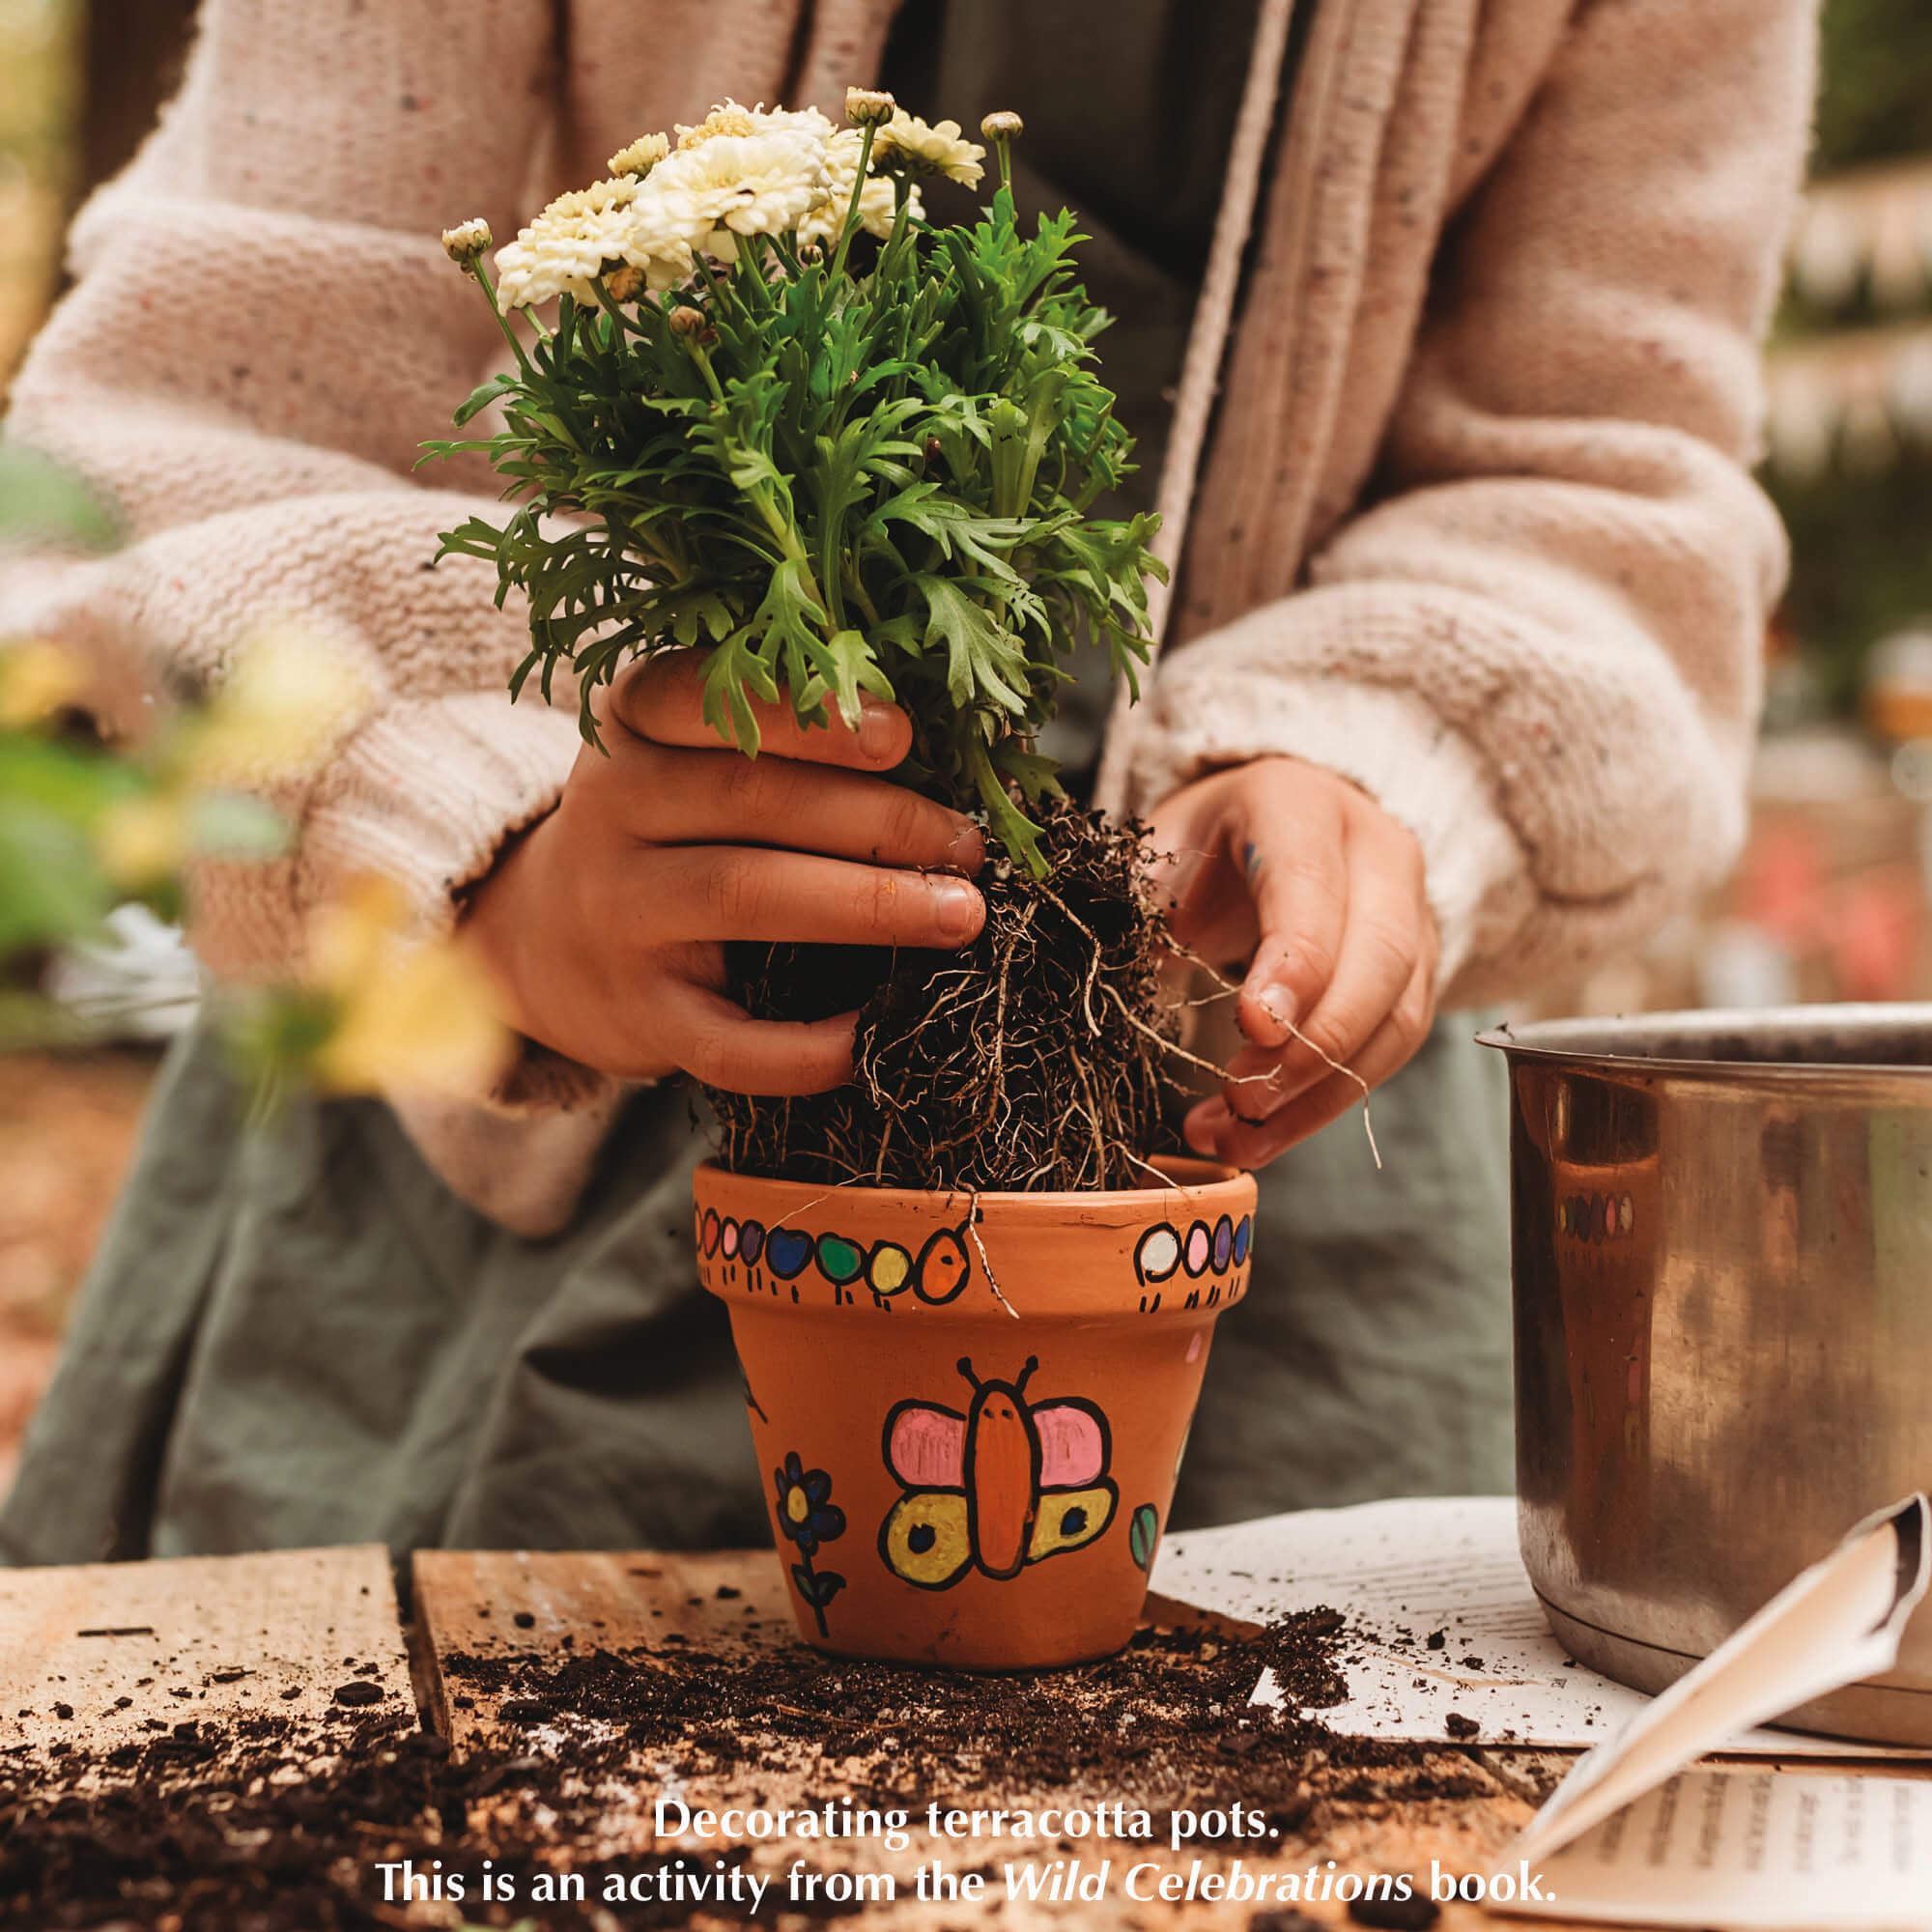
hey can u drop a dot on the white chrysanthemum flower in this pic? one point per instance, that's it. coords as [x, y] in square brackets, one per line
[583, 234]
[728, 118]
[732, 184]
[640, 156]
[825, 220]
[466, 240]
[939, 149]
[868, 106]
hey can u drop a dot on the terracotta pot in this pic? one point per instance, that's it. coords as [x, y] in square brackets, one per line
[970, 1408]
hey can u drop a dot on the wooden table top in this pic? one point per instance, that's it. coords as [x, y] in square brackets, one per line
[92, 1657]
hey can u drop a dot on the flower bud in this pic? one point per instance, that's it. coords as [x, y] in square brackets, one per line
[624, 283]
[640, 156]
[466, 243]
[683, 320]
[1003, 125]
[868, 106]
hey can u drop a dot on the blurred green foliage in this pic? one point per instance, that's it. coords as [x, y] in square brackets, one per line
[1876, 102]
[1862, 540]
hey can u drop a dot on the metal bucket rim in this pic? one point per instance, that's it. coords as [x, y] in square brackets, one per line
[1642, 1043]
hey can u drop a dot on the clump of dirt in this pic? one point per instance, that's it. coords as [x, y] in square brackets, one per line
[277, 1824]
[1038, 1058]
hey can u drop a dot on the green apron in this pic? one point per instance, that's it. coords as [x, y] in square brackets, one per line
[299, 1336]
[296, 1335]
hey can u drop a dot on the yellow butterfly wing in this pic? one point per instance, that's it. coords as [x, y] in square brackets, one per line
[1070, 1519]
[927, 1539]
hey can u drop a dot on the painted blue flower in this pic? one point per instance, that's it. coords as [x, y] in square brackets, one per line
[805, 1511]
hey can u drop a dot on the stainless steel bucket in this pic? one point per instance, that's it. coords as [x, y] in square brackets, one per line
[1723, 1259]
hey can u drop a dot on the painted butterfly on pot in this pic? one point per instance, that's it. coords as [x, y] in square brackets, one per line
[1006, 1484]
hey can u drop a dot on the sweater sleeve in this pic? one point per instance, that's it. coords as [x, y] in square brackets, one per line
[1539, 645]
[261, 331]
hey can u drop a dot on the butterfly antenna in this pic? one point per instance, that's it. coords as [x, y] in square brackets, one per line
[965, 1367]
[1020, 1381]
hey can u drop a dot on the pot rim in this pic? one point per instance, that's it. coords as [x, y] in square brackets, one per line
[1194, 1179]
[1680, 1045]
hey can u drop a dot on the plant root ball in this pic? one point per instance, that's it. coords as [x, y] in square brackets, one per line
[1035, 1060]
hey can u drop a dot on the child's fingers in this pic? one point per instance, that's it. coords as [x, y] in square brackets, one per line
[721, 797]
[738, 892]
[1387, 933]
[722, 1045]
[1289, 839]
[662, 699]
[1214, 1129]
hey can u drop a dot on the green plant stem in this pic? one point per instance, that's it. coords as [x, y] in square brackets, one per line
[888, 262]
[851, 226]
[489, 289]
[783, 531]
[1017, 832]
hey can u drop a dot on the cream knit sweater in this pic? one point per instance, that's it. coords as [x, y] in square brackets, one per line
[1475, 526]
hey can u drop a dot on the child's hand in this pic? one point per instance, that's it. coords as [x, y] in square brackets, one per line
[1294, 870]
[604, 924]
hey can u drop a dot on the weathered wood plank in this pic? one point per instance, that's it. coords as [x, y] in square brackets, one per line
[100, 1655]
[472, 1603]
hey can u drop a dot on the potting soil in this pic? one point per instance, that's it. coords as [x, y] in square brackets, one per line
[269, 1822]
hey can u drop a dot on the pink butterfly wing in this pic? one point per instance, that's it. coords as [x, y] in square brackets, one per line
[1072, 1444]
[925, 1446]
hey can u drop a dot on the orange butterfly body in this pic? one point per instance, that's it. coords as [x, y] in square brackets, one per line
[1006, 1484]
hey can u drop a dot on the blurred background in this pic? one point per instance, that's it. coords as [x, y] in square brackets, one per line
[1833, 900]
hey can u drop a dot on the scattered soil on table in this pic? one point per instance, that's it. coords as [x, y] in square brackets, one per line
[1035, 1058]
[270, 1821]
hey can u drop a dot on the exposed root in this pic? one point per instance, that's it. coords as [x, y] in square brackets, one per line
[1228, 989]
[1035, 1059]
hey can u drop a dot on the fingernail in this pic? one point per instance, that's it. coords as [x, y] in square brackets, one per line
[968, 849]
[956, 909]
[878, 729]
[1278, 1004]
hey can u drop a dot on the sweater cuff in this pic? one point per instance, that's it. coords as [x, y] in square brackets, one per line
[1422, 773]
[427, 794]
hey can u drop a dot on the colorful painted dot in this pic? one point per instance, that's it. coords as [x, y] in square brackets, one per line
[750, 1241]
[1241, 1236]
[1158, 1252]
[888, 1268]
[1199, 1244]
[786, 1251]
[942, 1268]
[709, 1234]
[1626, 1213]
[1224, 1243]
[727, 1242]
[838, 1260]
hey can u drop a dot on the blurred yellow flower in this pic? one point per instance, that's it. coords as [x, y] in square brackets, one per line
[290, 697]
[37, 679]
[410, 1014]
[141, 842]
